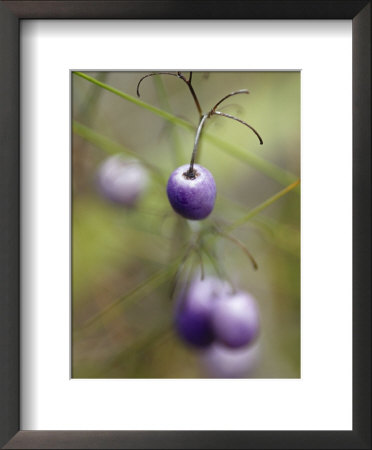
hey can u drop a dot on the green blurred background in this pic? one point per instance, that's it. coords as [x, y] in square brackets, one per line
[122, 272]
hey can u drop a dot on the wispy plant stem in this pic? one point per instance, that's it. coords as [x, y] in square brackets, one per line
[190, 172]
[260, 207]
[141, 289]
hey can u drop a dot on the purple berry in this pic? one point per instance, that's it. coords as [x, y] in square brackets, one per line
[194, 309]
[122, 180]
[235, 319]
[225, 362]
[192, 198]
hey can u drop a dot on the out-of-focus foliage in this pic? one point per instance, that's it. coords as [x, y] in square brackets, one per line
[125, 260]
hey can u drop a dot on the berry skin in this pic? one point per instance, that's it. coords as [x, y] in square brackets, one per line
[235, 320]
[122, 180]
[194, 310]
[192, 198]
[225, 362]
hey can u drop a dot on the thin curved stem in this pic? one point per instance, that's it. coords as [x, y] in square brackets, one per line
[219, 113]
[240, 244]
[190, 173]
[151, 75]
[193, 93]
[181, 77]
[241, 91]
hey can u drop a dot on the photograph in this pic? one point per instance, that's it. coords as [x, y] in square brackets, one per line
[185, 224]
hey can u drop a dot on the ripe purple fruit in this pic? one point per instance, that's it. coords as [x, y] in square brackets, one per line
[210, 312]
[194, 309]
[122, 180]
[192, 196]
[235, 320]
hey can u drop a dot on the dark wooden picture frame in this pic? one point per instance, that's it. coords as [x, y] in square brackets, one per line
[11, 12]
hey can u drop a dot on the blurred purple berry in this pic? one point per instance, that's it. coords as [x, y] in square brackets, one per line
[192, 198]
[235, 319]
[122, 180]
[194, 308]
[225, 362]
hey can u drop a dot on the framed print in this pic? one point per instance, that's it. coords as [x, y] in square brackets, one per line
[57, 377]
[193, 339]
